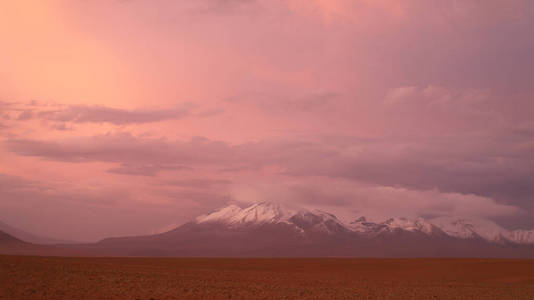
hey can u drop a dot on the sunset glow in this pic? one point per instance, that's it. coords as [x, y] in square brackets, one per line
[128, 117]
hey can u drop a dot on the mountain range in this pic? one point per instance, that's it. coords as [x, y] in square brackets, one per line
[273, 229]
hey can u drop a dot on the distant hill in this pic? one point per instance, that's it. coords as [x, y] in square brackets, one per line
[6, 239]
[10, 245]
[29, 237]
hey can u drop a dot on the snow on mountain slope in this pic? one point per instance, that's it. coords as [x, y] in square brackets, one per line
[259, 213]
[481, 228]
[471, 228]
[305, 220]
[221, 215]
[455, 227]
[318, 221]
[361, 225]
[274, 213]
[522, 236]
[410, 225]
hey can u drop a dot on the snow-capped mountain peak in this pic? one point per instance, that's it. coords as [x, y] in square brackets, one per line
[522, 236]
[307, 220]
[410, 225]
[222, 214]
[390, 225]
[263, 213]
[266, 212]
[259, 213]
[470, 228]
[465, 228]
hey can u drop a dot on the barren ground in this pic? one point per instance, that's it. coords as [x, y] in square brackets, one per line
[218, 278]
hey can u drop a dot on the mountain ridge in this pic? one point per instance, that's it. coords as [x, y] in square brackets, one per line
[463, 228]
[268, 229]
[30, 237]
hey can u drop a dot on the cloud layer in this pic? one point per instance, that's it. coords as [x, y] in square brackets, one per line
[165, 110]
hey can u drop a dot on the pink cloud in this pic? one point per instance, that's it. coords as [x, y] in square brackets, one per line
[401, 107]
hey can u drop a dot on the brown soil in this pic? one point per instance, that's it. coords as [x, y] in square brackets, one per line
[294, 278]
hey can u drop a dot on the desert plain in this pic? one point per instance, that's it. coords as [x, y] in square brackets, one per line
[32, 277]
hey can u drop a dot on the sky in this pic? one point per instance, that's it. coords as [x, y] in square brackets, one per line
[131, 117]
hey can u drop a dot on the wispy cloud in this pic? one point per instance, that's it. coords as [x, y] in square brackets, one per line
[102, 114]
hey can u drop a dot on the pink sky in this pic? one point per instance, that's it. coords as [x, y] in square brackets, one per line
[126, 117]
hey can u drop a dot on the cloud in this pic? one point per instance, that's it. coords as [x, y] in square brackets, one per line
[4, 106]
[401, 106]
[205, 8]
[143, 169]
[225, 6]
[137, 156]
[204, 198]
[199, 183]
[500, 166]
[103, 114]
[355, 10]
[457, 116]
[10, 183]
[61, 117]
[435, 109]
[286, 104]
[349, 200]
[25, 115]
[488, 166]
[437, 97]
